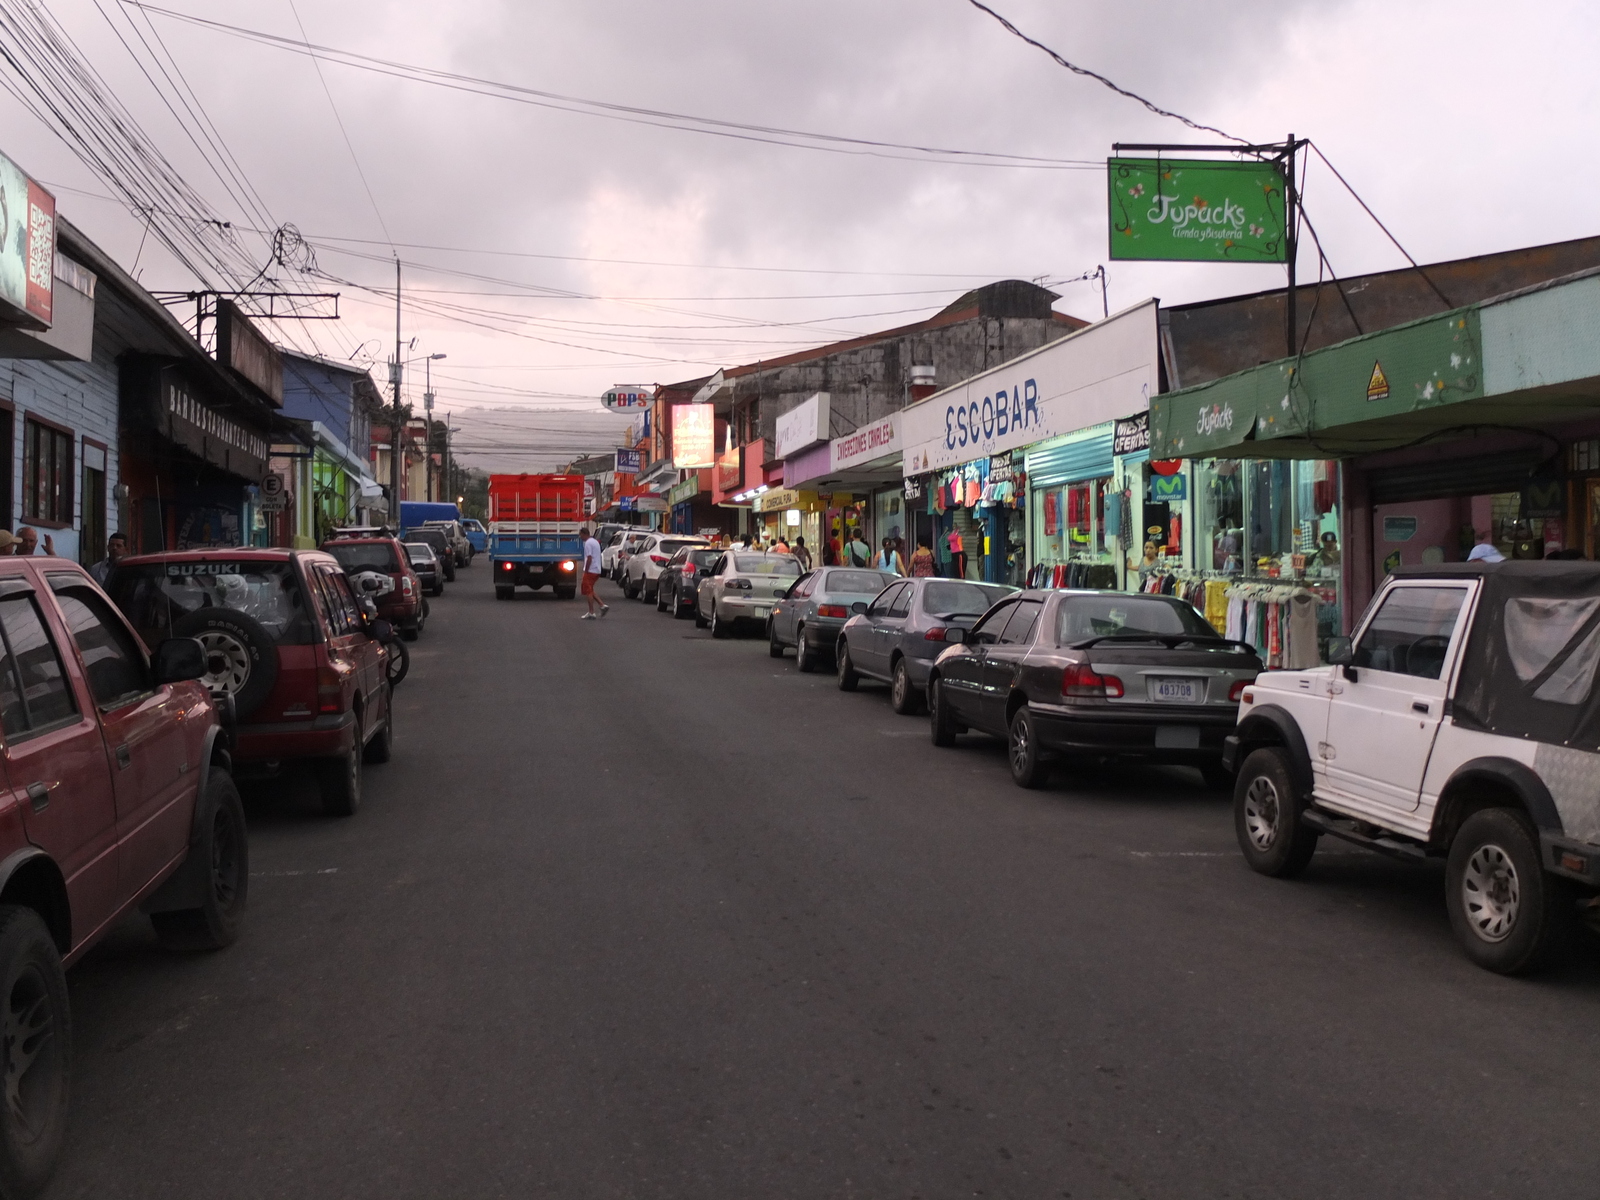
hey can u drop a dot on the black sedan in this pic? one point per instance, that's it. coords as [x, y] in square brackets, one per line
[680, 579]
[905, 629]
[1063, 675]
[441, 547]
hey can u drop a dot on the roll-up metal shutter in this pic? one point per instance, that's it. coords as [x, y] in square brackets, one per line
[1456, 477]
[1089, 458]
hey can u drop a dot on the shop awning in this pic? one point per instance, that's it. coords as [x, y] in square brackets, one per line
[1528, 358]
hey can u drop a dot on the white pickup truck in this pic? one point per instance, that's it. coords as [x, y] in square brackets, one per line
[1462, 721]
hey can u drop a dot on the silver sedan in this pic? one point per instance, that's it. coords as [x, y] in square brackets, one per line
[742, 585]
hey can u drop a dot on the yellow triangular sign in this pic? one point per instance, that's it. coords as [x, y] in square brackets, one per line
[1378, 385]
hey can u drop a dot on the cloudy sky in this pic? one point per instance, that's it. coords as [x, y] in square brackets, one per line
[551, 253]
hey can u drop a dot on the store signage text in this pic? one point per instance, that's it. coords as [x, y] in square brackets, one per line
[994, 416]
[1186, 210]
[212, 436]
[1131, 436]
[628, 462]
[804, 425]
[1214, 418]
[866, 444]
[628, 397]
[27, 243]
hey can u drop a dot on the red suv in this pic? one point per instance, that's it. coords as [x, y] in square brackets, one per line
[370, 549]
[285, 637]
[116, 791]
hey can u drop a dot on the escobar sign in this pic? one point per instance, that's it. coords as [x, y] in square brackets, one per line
[1184, 210]
[1102, 373]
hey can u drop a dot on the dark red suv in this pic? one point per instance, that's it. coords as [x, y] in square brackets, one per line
[115, 791]
[285, 636]
[370, 549]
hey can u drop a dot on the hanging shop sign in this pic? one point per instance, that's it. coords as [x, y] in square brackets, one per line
[730, 470]
[1131, 436]
[1000, 467]
[914, 488]
[243, 350]
[1097, 375]
[775, 499]
[1196, 211]
[693, 436]
[803, 426]
[1168, 489]
[678, 493]
[629, 461]
[221, 440]
[628, 397]
[1544, 497]
[868, 444]
[27, 246]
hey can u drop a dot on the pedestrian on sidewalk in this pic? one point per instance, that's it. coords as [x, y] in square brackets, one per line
[922, 564]
[591, 572]
[802, 555]
[889, 558]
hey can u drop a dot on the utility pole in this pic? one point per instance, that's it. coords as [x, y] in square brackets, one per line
[395, 452]
[449, 487]
[1292, 200]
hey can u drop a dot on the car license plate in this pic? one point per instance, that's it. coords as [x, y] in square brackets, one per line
[1177, 737]
[1177, 691]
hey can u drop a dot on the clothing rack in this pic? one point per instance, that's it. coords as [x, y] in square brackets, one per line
[1278, 619]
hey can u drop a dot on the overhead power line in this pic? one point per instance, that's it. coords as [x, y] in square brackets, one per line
[659, 118]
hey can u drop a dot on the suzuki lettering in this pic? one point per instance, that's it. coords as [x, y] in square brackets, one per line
[992, 417]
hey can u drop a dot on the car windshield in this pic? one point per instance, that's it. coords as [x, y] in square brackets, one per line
[704, 558]
[765, 564]
[673, 545]
[859, 583]
[434, 538]
[364, 556]
[419, 552]
[958, 599]
[157, 596]
[1112, 616]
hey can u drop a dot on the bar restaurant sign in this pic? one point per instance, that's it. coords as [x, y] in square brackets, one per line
[221, 440]
[1185, 210]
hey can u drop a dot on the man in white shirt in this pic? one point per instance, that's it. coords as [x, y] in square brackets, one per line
[591, 572]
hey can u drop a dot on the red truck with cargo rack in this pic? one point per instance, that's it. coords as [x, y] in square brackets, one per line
[533, 533]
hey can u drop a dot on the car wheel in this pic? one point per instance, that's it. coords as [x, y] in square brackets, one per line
[661, 599]
[719, 627]
[903, 695]
[680, 610]
[1028, 769]
[241, 659]
[1508, 915]
[502, 593]
[339, 780]
[381, 748]
[38, 1042]
[398, 665]
[941, 723]
[223, 851]
[1216, 777]
[805, 658]
[844, 667]
[438, 589]
[1267, 817]
[774, 646]
[412, 633]
[699, 621]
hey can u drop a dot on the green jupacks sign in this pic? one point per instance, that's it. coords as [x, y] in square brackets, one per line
[1181, 209]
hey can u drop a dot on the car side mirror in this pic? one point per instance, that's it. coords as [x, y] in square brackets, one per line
[955, 634]
[783, 594]
[178, 659]
[380, 630]
[859, 607]
[1341, 651]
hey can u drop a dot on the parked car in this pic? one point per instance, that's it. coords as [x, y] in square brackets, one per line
[476, 534]
[622, 545]
[1459, 723]
[425, 562]
[642, 572]
[120, 791]
[284, 636]
[742, 585]
[436, 538]
[364, 549]
[812, 611]
[679, 579]
[1076, 674]
[896, 640]
[456, 539]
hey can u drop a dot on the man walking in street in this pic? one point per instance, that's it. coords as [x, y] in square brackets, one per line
[591, 572]
[116, 549]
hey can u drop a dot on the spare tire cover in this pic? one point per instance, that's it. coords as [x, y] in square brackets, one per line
[240, 657]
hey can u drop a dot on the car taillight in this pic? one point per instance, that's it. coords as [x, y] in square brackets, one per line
[832, 610]
[1237, 692]
[937, 634]
[688, 568]
[660, 559]
[567, 566]
[405, 584]
[1081, 680]
[330, 688]
[505, 566]
[736, 585]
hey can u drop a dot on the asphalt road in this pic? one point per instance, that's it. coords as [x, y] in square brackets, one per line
[633, 913]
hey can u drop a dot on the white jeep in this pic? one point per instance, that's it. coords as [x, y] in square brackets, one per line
[1462, 721]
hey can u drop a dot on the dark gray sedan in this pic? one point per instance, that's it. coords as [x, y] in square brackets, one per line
[810, 614]
[1093, 675]
[905, 629]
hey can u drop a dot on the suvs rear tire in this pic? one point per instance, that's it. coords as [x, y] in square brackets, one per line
[1508, 915]
[224, 851]
[774, 646]
[37, 1019]
[661, 599]
[680, 610]
[941, 723]
[1267, 815]
[904, 697]
[699, 621]
[339, 780]
[844, 667]
[1028, 768]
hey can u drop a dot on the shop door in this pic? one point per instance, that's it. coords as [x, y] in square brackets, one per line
[1381, 724]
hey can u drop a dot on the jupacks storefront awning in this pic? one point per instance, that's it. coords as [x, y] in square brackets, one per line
[1525, 359]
